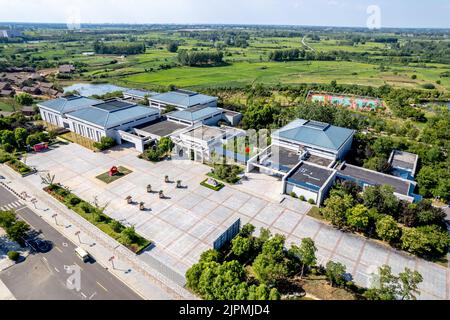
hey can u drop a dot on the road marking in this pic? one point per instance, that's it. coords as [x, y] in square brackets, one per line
[90, 298]
[58, 249]
[56, 269]
[102, 286]
[45, 259]
[84, 296]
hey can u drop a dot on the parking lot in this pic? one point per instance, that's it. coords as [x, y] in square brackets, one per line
[188, 221]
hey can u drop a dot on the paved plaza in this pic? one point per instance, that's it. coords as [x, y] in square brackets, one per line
[188, 221]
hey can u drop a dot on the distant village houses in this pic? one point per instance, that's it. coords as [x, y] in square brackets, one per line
[66, 68]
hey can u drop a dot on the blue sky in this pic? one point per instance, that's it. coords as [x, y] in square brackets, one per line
[394, 13]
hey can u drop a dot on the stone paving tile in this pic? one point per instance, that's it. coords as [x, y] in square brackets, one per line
[323, 255]
[202, 229]
[202, 191]
[287, 221]
[327, 237]
[434, 279]
[399, 262]
[182, 246]
[179, 218]
[307, 228]
[204, 208]
[189, 201]
[269, 213]
[374, 255]
[253, 206]
[219, 214]
[350, 246]
[236, 201]
[221, 195]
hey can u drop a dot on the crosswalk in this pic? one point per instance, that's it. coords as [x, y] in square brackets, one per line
[11, 206]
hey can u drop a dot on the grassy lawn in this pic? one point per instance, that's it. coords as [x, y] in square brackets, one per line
[315, 213]
[7, 104]
[107, 179]
[94, 215]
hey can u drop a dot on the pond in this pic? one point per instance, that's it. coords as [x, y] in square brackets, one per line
[88, 89]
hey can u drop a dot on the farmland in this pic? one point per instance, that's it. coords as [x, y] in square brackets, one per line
[370, 62]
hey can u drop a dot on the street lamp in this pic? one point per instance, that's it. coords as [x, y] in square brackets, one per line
[78, 234]
[112, 261]
[34, 201]
[54, 216]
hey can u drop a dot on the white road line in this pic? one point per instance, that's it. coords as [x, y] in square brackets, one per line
[56, 269]
[44, 258]
[101, 286]
[84, 296]
[90, 298]
[58, 249]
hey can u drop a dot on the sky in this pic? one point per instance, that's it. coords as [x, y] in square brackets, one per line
[352, 13]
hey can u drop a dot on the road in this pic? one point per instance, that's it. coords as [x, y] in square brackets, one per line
[306, 45]
[44, 275]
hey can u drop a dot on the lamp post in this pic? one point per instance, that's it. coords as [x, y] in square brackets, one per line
[112, 261]
[78, 235]
[54, 217]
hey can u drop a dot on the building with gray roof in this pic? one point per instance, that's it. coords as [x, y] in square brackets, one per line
[138, 94]
[182, 99]
[55, 111]
[315, 137]
[204, 114]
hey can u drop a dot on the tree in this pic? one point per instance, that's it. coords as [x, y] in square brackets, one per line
[24, 99]
[358, 217]
[390, 287]
[17, 231]
[385, 286]
[270, 265]
[409, 281]
[387, 228]
[7, 137]
[165, 145]
[335, 272]
[381, 198]
[306, 253]
[336, 208]
[241, 246]
[172, 47]
[7, 219]
[427, 241]
[20, 135]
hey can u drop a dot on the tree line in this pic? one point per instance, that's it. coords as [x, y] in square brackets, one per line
[119, 48]
[200, 58]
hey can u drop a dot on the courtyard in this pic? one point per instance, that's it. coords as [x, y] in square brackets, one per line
[190, 219]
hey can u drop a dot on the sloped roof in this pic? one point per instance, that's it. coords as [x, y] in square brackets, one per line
[315, 133]
[140, 93]
[108, 117]
[183, 98]
[67, 104]
[195, 113]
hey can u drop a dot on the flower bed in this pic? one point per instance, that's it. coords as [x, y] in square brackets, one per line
[122, 172]
[215, 188]
[19, 167]
[94, 215]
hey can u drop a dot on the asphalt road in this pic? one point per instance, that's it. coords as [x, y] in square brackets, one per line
[44, 276]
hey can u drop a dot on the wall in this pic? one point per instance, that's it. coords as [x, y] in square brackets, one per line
[301, 192]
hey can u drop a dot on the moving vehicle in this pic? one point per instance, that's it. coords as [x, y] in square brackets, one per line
[82, 254]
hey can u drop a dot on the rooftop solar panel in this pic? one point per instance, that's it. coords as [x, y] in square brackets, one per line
[113, 105]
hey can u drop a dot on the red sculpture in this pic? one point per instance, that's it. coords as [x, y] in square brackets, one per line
[113, 171]
[40, 146]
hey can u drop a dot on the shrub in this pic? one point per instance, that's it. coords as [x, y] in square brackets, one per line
[13, 255]
[302, 197]
[428, 241]
[117, 226]
[5, 157]
[387, 229]
[293, 194]
[105, 143]
[8, 147]
[74, 201]
[311, 201]
[87, 208]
